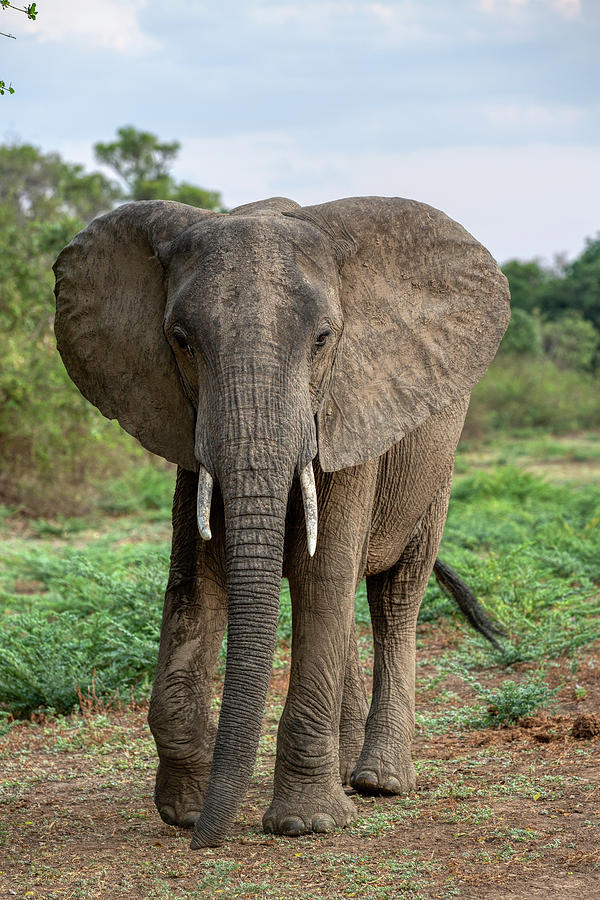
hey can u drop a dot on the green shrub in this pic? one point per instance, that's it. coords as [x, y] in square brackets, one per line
[529, 551]
[510, 701]
[505, 705]
[571, 342]
[520, 394]
[523, 335]
[91, 629]
[145, 487]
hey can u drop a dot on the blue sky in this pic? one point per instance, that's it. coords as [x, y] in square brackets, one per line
[487, 109]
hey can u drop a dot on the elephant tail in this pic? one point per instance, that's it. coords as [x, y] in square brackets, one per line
[470, 606]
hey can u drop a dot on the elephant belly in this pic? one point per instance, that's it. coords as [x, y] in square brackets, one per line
[410, 475]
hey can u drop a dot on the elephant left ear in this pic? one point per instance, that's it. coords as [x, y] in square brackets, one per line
[424, 306]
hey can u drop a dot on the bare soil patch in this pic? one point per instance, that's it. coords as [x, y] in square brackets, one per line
[508, 812]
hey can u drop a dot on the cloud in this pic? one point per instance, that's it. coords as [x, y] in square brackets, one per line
[531, 116]
[526, 201]
[570, 9]
[108, 24]
[310, 13]
[399, 19]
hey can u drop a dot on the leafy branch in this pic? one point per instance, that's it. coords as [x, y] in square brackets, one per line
[31, 12]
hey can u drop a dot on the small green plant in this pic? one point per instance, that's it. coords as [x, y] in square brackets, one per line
[511, 701]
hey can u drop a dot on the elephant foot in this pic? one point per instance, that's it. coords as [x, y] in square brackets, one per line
[351, 744]
[375, 775]
[316, 810]
[179, 793]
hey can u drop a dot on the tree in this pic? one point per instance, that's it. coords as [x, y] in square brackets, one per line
[579, 290]
[142, 162]
[41, 187]
[571, 342]
[526, 280]
[139, 158]
[31, 13]
[522, 335]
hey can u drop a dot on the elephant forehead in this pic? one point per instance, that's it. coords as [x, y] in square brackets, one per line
[255, 244]
[254, 263]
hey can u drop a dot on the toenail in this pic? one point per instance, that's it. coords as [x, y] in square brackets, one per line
[322, 824]
[167, 814]
[292, 826]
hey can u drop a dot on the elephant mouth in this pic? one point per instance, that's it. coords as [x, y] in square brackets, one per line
[309, 500]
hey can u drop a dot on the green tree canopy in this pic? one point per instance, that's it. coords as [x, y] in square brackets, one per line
[31, 12]
[138, 157]
[142, 162]
[40, 186]
[569, 297]
[526, 280]
[523, 335]
[578, 290]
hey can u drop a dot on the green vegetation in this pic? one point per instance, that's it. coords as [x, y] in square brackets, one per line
[141, 161]
[56, 449]
[85, 616]
[31, 12]
[55, 446]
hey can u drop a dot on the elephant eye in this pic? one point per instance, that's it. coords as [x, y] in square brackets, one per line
[181, 337]
[322, 336]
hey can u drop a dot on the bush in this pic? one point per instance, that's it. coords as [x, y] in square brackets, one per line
[92, 631]
[529, 551]
[571, 342]
[523, 335]
[522, 394]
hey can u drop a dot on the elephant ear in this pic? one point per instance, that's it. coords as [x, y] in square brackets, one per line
[110, 305]
[424, 307]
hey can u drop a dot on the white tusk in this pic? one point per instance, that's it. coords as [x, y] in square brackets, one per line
[309, 498]
[205, 486]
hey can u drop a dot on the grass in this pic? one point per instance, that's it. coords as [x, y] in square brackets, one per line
[81, 606]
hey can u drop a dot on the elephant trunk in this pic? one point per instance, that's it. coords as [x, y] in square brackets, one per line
[255, 493]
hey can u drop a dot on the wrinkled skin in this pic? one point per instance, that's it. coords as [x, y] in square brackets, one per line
[249, 345]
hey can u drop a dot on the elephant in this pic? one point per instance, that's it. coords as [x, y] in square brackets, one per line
[308, 369]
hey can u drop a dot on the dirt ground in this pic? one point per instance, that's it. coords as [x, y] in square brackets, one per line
[512, 812]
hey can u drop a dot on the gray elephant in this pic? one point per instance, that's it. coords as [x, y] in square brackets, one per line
[309, 370]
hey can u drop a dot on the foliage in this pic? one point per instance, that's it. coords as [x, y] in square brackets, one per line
[529, 550]
[42, 187]
[141, 487]
[566, 295]
[43, 418]
[523, 336]
[31, 12]
[526, 281]
[578, 290]
[142, 162]
[518, 394]
[571, 342]
[95, 629]
[509, 702]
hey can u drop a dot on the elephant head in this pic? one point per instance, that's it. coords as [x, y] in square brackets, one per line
[244, 344]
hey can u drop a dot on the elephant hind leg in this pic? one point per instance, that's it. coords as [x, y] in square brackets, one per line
[385, 765]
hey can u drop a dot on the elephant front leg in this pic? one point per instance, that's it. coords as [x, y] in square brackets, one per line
[308, 793]
[385, 765]
[313, 745]
[192, 631]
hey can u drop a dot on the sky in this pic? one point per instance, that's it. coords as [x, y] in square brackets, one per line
[486, 109]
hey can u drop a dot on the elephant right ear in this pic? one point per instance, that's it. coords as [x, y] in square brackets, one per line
[110, 306]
